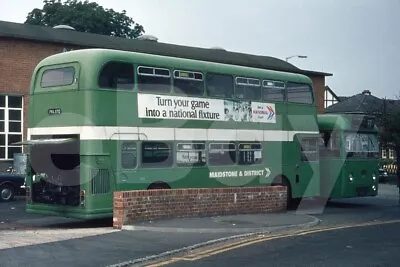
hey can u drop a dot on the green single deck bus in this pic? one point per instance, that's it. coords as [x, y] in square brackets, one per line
[349, 156]
[101, 121]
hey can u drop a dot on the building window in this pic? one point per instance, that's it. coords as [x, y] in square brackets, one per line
[11, 124]
[391, 153]
[329, 99]
[384, 153]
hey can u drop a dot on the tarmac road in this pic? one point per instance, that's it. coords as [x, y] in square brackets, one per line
[374, 245]
[73, 243]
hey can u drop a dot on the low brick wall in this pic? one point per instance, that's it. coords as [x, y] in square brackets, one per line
[140, 205]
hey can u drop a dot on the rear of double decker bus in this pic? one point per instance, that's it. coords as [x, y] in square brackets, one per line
[63, 168]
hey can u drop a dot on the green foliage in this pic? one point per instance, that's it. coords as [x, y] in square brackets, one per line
[391, 132]
[85, 17]
[390, 136]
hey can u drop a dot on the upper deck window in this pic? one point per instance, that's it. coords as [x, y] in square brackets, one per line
[57, 77]
[248, 88]
[117, 75]
[219, 85]
[188, 82]
[154, 80]
[273, 91]
[299, 93]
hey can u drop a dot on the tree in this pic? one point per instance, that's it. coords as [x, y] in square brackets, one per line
[390, 134]
[85, 17]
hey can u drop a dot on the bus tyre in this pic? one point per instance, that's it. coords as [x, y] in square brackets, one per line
[6, 193]
[159, 185]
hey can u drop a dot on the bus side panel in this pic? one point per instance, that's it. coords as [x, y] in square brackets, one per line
[97, 178]
[331, 176]
[306, 179]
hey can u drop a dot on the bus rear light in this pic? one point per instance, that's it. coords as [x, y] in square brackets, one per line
[82, 198]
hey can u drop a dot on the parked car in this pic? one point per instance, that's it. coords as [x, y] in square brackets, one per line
[383, 175]
[11, 184]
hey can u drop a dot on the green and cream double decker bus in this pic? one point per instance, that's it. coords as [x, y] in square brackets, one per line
[102, 121]
[349, 156]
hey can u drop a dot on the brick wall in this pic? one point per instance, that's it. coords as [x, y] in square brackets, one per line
[18, 59]
[319, 87]
[140, 205]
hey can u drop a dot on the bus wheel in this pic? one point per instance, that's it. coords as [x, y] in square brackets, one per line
[6, 192]
[158, 185]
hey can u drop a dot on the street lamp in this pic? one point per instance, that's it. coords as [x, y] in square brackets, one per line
[299, 56]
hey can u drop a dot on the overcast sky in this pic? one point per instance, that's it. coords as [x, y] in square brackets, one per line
[356, 40]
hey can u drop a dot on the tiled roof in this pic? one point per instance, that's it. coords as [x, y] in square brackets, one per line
[82, 39]
[364, 103]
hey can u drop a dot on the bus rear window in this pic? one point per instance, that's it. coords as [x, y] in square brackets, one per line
[57, 77]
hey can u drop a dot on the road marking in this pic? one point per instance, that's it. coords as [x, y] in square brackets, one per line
[243, 243]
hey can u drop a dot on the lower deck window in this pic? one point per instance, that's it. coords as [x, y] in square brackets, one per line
[222, 154]
[191, 154]
[156, 154]
[128, 155]
[250, 153]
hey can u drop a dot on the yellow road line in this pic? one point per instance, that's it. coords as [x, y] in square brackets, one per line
[259, 239]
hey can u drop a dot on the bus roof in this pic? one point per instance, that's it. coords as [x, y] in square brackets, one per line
[88, 58]
[333, 121]
[342, 122]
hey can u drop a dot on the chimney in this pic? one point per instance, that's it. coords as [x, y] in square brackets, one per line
[366, 92]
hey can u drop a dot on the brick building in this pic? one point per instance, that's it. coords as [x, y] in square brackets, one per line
[23, 46]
